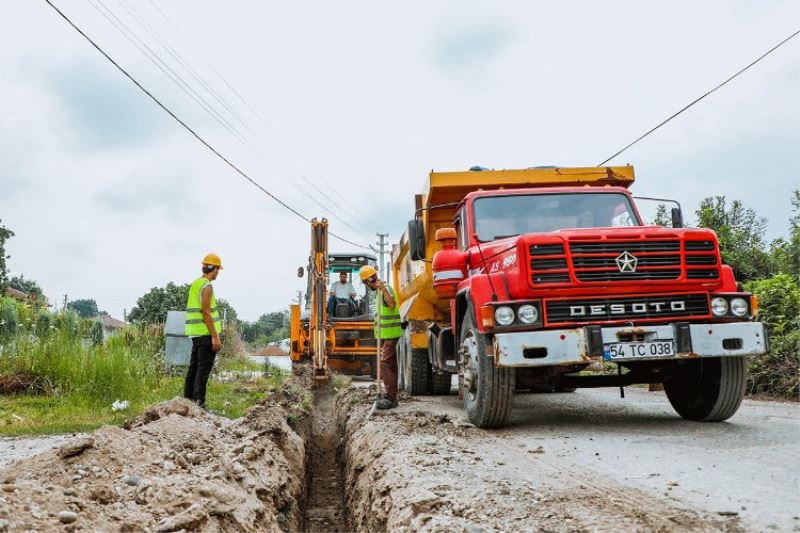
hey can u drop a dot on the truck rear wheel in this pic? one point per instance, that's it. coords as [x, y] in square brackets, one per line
[707, 390]
[441, 383]
[488, 391]
[417, 372]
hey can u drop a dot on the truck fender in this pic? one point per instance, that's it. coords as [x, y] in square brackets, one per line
[460, 305]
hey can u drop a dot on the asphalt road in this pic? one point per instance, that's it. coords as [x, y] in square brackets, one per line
[748, 466]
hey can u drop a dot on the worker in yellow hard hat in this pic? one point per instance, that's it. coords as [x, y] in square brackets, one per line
[203, 326]
[388, 330]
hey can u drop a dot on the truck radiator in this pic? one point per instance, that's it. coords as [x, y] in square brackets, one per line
[654, 260]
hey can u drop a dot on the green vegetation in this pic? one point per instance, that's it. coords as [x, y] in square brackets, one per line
[268, 328]
[5, 234]
[86, 308]
[58, 375]
[152, 307]
[772, 273]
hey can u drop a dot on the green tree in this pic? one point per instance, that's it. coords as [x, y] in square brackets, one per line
[86, 308]
[741, 237]
[786, 253]
[27, 286]
[5, 234]
[661, 218]
[153, 306]
[268, 328]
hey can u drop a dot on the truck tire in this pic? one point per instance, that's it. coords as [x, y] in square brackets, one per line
[417, 374]
[441, 383]
[707, 390]
[488, 391]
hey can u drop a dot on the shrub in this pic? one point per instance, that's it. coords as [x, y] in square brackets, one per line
[779, 308]
[9, 317]
[44, 324]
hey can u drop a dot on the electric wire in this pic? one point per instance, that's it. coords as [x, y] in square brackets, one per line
[187, 127]
[260, 118]
[141, 20]
[693, 102]
[154, 58]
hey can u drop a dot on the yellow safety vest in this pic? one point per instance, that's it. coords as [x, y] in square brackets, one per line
[195, 326]
[389, 317]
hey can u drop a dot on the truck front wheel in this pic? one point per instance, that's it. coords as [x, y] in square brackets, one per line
[488, 391]
[707, 390]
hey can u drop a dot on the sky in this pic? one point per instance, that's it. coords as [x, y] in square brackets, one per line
[341, 109]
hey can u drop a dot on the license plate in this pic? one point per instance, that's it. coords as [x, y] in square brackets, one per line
[638, 350]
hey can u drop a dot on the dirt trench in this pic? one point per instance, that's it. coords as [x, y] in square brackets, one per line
[325, 504]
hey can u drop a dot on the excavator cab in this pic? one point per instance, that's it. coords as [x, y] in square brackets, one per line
[361, 307]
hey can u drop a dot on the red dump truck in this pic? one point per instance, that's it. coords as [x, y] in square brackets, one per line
[539, 278]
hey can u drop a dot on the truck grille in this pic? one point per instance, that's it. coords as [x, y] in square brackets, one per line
[655, 260]
[597, 261]
[641, 307]
[699, 256]
[548, 263]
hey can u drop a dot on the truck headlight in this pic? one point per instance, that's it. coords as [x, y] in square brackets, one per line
[504, 315]
[527, 314]
[739, 307]
[719, 306]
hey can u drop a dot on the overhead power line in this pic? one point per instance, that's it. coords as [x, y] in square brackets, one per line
[693, 102]
[188, 128]
[266, 125]
[187, 88]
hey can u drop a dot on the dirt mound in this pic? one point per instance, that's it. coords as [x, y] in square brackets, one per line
[176, 468]
[416, 469]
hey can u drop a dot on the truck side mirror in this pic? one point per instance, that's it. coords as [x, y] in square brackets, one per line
[416, 239]
[300, 272]
[677, 218]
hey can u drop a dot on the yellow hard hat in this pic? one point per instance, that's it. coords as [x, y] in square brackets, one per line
[366, 272]
[213, 259]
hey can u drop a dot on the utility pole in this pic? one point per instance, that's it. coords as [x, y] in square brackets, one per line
[300, 298]
[64, 309]
[381, 253]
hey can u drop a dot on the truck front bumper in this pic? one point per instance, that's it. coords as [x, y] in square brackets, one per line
[586, 344]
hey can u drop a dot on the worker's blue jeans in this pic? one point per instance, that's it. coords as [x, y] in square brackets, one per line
[333, 300]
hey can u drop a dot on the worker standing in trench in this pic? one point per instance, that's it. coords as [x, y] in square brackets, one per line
[388, 331]
[203, 327]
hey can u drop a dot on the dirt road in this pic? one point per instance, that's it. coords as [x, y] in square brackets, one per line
[583, 461]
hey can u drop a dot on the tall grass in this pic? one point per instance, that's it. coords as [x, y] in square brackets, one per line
[63, 363]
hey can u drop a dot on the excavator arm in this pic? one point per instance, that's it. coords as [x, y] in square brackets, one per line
[318, 294]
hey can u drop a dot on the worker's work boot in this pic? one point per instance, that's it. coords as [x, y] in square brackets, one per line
[386, 403]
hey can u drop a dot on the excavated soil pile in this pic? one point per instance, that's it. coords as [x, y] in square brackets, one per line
[178, 468]
[411, 469]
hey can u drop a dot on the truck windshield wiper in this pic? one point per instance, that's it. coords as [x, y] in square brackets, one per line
[498, 237]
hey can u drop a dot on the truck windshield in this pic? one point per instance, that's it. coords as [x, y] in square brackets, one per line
[505, 216]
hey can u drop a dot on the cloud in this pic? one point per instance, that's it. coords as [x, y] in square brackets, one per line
[103, 108]
[470, 45]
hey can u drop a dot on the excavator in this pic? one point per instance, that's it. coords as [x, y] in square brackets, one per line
[345, 342]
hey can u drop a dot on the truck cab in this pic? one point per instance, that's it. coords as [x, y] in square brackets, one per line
[542, 275]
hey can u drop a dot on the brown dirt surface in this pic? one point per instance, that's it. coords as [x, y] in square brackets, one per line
[176, 468]
[325, 496]
[412, 469]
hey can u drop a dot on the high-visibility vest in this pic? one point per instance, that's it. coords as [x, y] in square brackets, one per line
[389, 317]
[195, 326]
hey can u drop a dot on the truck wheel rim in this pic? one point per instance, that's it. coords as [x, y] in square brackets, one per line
[469, 350]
